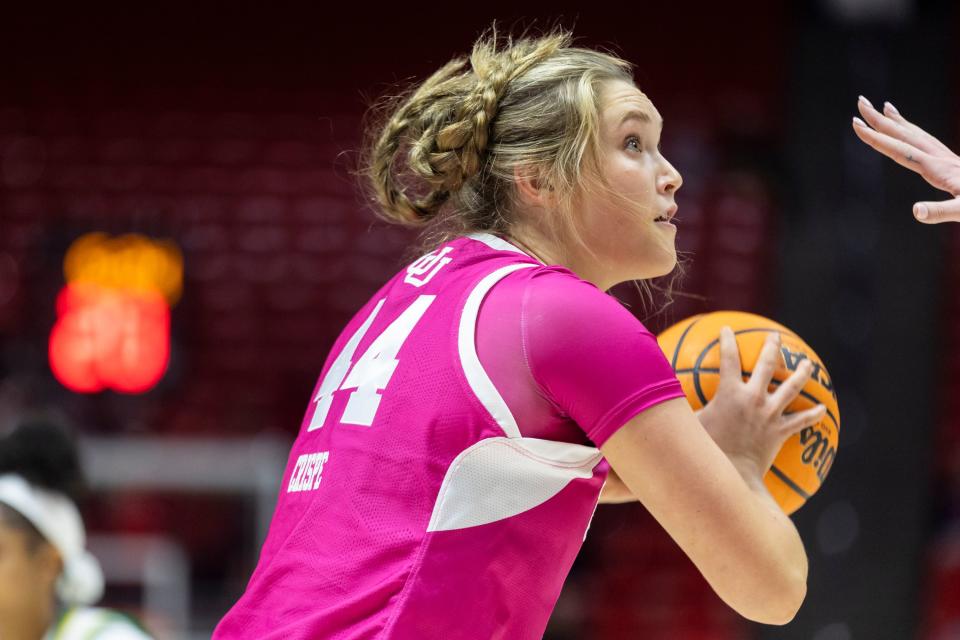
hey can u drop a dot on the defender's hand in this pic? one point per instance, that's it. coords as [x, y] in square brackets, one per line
[910, 146]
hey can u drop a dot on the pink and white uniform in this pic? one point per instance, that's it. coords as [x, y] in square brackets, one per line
[447, 468]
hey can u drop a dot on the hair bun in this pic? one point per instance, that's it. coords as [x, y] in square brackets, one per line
[444, 126]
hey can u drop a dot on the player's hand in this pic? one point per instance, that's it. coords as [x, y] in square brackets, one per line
[745, 419]
[910, 146]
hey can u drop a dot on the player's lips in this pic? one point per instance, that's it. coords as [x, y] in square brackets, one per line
[667, 215]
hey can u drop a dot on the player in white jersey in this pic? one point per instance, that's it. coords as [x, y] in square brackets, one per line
[47, 577]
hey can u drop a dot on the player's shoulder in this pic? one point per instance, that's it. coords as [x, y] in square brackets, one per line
[557, 294]
[549, 292]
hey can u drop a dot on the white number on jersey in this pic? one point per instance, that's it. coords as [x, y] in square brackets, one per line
[372, 372]
[338, 371]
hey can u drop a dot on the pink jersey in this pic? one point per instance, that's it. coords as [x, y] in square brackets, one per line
[431, 496]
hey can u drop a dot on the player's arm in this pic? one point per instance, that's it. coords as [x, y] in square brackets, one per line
[615, 491]
[703, 481]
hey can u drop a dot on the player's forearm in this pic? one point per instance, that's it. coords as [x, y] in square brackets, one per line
[787, 561]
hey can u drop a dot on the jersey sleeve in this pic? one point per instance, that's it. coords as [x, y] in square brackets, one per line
[591, 357]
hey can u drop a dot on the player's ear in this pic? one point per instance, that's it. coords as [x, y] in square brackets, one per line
[532, 188]
[47, 563]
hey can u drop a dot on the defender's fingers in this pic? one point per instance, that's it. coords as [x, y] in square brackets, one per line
[766, 362]
[730, 367]
[937, 212]
[891, 112]
[790, 388]
[904, 154]
[796, 422]
[880, 122]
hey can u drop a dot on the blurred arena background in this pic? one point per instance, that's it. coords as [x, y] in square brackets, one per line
[224, 134]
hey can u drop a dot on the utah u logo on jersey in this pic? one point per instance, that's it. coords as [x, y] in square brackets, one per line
[423, 269]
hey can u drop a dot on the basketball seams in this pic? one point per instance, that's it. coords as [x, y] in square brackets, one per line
[686, 330]
[790, 484]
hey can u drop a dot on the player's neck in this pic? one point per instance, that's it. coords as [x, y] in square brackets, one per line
[547, 249]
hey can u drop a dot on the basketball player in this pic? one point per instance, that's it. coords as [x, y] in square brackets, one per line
[461, 431]
[910, 146]
[47, 578]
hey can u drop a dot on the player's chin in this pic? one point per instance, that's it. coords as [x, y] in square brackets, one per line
[662, 263]
[666, 267]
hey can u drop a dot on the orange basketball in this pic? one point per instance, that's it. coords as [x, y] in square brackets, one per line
[693, 348]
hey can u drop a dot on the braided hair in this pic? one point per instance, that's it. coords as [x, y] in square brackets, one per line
[445, 153]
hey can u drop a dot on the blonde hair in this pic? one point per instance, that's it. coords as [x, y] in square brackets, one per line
[444, 155]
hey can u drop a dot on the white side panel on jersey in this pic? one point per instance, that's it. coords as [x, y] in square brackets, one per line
[495, 242]
[476, 376]
[501, 477]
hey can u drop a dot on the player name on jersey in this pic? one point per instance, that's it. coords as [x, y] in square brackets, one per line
[308, 473]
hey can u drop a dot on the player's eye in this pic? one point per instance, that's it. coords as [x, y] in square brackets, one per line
[633, 143]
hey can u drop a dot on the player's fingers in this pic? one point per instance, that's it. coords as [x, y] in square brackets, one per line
[906, 155]
[937, 212]
[891, 112]
[729, 358]
[886, 125]
[790, 388]
[796, 422]
[766, 363]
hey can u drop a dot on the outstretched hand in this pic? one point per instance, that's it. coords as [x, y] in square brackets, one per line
[910, 146]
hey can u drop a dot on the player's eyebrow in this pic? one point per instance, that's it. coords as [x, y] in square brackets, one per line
[636, 114]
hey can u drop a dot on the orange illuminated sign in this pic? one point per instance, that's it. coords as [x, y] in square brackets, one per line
[113, 326]
[132, 262]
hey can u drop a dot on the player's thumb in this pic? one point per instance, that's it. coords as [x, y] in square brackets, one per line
[937, 212]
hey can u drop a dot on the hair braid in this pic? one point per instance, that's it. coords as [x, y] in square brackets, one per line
[447, 153]
[468, 135]
[404, 124]
[444, 127]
